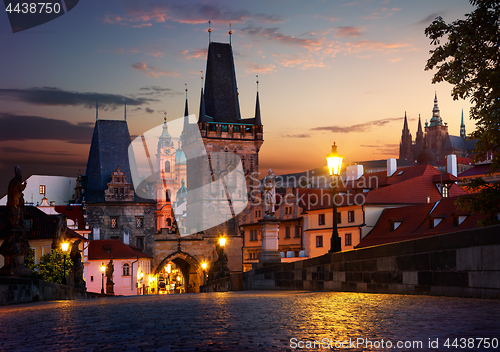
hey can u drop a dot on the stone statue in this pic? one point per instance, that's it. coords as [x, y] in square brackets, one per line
[77, 269]
[109, 272]
[15, 200]
[61, 228]
[269, 187]
[15, 246]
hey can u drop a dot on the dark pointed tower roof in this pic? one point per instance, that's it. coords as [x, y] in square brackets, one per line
[462, 127]
[221, 92]
[258, 120]
[419, 128]
[109, 150]
[405, 125]
[186, 115]
[202, 115]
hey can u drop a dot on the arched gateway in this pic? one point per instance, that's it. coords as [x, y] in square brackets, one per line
[181, 272]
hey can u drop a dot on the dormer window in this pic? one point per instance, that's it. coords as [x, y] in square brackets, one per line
[459, 218]
[395, 223]
[435, 221]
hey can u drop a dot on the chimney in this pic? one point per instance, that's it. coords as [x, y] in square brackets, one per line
[354, 172]
[391, 167]
[451, 167]
[126, 237]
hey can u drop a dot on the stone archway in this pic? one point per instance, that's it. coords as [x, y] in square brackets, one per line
[190, 268]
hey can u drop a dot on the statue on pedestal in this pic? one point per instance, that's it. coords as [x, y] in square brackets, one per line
[61, 228]
[77, 269]
[269, 187]
[109, 278]
[16, 246]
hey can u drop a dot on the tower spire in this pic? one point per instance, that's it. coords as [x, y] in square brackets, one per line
[97, 109]
[186, 111]
[201, 117]
[209, 32]
[405, 126]
[258, 120]
[230, 33]
[125, 110]
[186, 114]
[420, 134]
[462, 127]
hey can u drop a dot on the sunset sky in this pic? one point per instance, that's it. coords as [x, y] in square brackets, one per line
[343, 71]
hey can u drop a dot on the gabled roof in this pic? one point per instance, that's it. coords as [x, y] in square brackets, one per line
[416, 221]
[114, 249]
[43, 226]
[412, 191]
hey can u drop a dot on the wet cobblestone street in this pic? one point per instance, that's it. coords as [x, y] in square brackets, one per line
[248, 321]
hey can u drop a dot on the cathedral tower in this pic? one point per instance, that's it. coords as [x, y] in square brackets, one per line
[405, 146]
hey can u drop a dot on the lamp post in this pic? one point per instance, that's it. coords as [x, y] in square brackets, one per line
[103, 267]
[334, 161]
[204, 267]
[222, 244]
[64, 247]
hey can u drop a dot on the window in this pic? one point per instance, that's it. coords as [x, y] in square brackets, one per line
[126, 270]
[348, 239]
[169, 222]
[42, 189]
[395, 225]
[139, 242]
[321, 219]
[114, 222]
[458, 220]
[339, 218]
[224, 128]
[91, 279]
[319, 241]
[236, 128]
[167, 166]
[297, 231]
[350, 216]
[287, 232]
[139, 222]
[253, 235]
[444, 191]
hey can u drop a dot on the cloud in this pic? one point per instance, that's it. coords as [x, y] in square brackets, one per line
[149, 111]
[25, 127]
[195, 53]
[383, 149]
[328, 18]
[302, 61]
[363, 45]
[48, 96]
[348, 31]
[259, 68]
[11, 150]
[152, 70]
[273, 34]
[157, 91]
[362, 127]
[302, 135]
[428, 19]
[140, 14]
[382, 13]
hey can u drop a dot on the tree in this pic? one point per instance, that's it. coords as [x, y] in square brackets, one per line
[51, 266]
[470, 60]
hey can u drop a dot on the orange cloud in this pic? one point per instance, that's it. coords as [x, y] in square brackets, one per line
[259, 68]
[152, 70]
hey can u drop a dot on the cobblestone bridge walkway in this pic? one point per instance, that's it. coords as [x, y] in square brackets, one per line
[253, 321]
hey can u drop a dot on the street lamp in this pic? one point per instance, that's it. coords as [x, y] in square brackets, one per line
[64, 247]
[204, 267]
[103, 267]
[222, 244]
[334, 161]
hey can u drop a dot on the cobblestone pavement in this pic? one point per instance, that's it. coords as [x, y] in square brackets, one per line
[248, 321]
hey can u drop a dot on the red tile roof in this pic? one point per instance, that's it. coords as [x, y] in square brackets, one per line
[476, 171]
[416, 222]
[43, 226]
[446, 178]
[114, 249]
[73, 212]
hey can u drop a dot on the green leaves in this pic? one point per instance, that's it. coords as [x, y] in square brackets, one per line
[51, 266]
[469, 58]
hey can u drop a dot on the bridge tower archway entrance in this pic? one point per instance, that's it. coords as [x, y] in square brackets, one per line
[181, 273]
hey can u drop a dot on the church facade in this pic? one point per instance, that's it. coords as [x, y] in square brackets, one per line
[434, 139]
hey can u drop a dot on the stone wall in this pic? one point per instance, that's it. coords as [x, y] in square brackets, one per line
[21, 290]
[464, 264]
